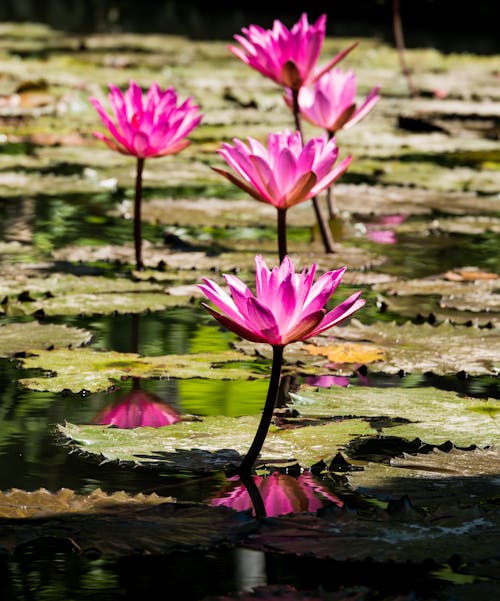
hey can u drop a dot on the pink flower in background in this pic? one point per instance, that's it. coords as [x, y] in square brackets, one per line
[330, 103]
[287, 306]
[149, 125]
[327, 381]
[286, 172]
[138, 409]
[281, 494]
[287, 56]
[384, 234]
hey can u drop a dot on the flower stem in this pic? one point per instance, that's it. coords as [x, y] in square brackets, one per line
[324, 227]
[400, 45]
[272, 393]
[330, 203]
[137, 215]
[282, 233]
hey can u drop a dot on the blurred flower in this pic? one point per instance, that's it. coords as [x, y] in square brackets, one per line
[286, 172]
[384, 235]
[281, 494]
[330, 103]
[136, 409]
[147, 126]
[327, 381]
[287, 307]
[287, 56]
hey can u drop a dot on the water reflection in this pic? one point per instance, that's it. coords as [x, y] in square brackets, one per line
[274, 495]
[136, 409]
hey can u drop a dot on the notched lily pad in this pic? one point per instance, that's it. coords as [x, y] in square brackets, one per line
[214, 442]
[91, 370]
[120, 524]
[442, 349]
[21, 337]
[41, 503]
[432, 415]
[72, 295]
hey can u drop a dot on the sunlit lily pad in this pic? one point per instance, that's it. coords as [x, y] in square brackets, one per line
[214, 442]
[91, 370]
[20, 337]
[442, 349]
[117, 524]
[435, 416]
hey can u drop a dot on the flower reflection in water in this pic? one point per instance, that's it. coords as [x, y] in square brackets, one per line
[136, 409]
[277, 494]
[381, 230]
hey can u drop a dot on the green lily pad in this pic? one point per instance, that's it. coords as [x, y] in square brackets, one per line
[91, 370]
[442, 349]
[435, 416]
[71, 295]
[20, 337]
[213, 442]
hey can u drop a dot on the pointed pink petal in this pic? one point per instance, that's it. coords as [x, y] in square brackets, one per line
[336, 59]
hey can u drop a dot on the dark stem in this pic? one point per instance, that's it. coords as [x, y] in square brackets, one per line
[324, 227]
[254, 494]
[272, 393]
[282, 233]
[330, 203]
[400, 45]
[137, 215]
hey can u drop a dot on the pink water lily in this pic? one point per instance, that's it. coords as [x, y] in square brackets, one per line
[330, 103]
[287, 306]
[150, 125]
[287, 56]
[147, 125]
[285, 173]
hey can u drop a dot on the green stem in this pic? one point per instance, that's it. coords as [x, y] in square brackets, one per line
[400, 45]
[324, 227]
[330, 203]
[272, 393]
[282, 233]
[137, 215]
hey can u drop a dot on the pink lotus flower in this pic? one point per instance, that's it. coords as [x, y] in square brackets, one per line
[330, 103]
[285, 173]
[138, 409]
[287, 306]
[147, 126]
[281, 495]
[287, 56]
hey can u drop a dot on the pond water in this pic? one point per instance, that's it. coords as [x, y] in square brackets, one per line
[380, 478]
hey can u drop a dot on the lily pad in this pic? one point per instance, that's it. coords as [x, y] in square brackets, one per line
[117, 524]
[213, 442]
[20, 337]
[442, 349]
[71, 295]
[435, 416]
[93, 371]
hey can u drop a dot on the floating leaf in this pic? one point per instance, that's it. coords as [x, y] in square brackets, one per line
[442, 349]
[42, 503]
[20, 337]
[213, 442]
[435, 416]
[117, 524]
[91, 370]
